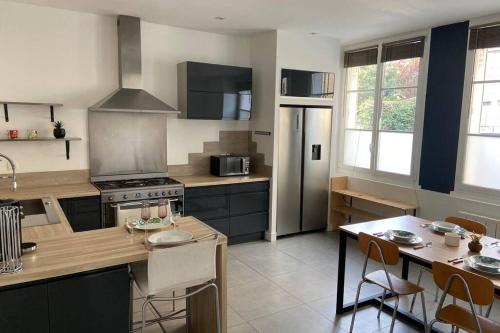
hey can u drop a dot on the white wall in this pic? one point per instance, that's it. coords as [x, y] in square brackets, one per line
[71, 58]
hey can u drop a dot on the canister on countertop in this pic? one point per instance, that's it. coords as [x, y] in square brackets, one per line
[10, 237]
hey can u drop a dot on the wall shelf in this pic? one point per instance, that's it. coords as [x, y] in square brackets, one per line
[50, 105]
[45, 139]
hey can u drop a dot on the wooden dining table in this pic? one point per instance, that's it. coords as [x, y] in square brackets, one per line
[438, 251]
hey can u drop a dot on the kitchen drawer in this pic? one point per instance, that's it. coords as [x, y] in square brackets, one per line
[247, 224]
[207, 207]
[204, 191]
[249, 187]
[247, 203]
[221, 225]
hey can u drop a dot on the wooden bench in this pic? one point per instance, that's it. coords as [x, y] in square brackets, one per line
[342, 200]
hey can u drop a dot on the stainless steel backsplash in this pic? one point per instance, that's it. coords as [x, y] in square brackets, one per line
[122, 143]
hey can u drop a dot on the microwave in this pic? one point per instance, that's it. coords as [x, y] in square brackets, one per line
[229, 165]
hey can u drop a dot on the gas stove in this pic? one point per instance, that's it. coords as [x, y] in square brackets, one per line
[139, 189]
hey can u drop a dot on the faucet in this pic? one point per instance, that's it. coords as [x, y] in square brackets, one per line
[13, 186]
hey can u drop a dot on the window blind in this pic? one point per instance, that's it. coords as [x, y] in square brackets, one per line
[483, 37]
[361, 57]
[403, 49]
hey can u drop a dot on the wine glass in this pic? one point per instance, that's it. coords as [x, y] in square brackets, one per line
[174, 218]
[131, 223]
[162, 209]
[145, 216]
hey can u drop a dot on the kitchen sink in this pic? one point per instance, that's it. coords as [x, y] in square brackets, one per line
[38, 212]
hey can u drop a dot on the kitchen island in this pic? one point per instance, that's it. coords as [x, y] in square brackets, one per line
[64, 260]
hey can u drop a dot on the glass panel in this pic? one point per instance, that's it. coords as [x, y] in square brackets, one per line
[357, 148]
[487, 64]
[398, 109]
[394, 152]
[359, 110]
[361, 78]
[401, 73]
[482, 162]
[485, 108]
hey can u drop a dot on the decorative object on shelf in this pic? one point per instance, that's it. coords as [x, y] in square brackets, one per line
[12, 134]
[32, 134]
[475, 243]
[59, 131]
[6, 108]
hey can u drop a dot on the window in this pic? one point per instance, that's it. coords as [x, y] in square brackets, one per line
[380, 106]
[482, 138]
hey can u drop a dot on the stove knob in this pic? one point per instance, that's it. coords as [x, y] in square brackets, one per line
[169, 192]
[157, 194]
[176, 192]
[125, 196]
[163, 193]
[150, 194]
[137, 195]
[110, 198]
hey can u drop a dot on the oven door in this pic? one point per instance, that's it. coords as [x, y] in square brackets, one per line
[115, 214]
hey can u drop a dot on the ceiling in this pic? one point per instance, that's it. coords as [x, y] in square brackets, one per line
[347, 20]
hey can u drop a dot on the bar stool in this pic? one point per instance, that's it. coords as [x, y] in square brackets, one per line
[469, 225]
[386, 253]
[469, 287]
[190, 265]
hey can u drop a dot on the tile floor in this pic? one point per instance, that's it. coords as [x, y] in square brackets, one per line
[290, 287]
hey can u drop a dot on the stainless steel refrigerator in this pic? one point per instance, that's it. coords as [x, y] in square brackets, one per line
[303, 169]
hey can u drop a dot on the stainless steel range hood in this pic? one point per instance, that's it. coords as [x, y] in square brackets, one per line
[130, 97]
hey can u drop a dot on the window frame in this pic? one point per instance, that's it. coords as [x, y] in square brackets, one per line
[372, 172]
[463, 190]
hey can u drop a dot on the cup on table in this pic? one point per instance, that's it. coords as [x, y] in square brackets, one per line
[131, 223]
[12, 134]
[452, 239]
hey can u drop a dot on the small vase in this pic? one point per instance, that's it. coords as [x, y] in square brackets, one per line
[475, 246]
[59, 133]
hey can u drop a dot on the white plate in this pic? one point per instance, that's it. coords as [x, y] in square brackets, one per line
[472, 264]
[170, 237]
[443, 227]
[410, 241]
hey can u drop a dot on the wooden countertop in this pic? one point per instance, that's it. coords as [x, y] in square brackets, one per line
[53, 192]
[89, 250]
[210, 180]
[57, 191]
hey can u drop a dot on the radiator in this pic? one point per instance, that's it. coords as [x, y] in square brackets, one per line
[491, 222]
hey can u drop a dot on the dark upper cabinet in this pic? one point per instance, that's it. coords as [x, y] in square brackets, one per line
[306, 83]
[209, 91]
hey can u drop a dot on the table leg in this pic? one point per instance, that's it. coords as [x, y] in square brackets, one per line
[406, 268]
[341, 272]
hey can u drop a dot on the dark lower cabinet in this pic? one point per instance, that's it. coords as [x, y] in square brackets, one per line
[24, 310]
[239, 211]
[83, 213]
[96, 302]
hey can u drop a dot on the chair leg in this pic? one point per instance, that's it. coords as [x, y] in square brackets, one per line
[437, 294]
[424, 313]
[431, 323]
[381, 304]
[143, 318]
[396, 304]
[489, 309]
[217, 310]
[356, 305]
[415, 296]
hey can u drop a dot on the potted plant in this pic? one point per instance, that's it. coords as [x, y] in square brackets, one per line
[475, 243]
[59, 131]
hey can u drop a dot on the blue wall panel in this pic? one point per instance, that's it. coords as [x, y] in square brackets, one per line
[443, 107]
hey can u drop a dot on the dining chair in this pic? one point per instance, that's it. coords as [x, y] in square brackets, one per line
[189, 265]
[469, 225]
[387, 253]
[469, 287]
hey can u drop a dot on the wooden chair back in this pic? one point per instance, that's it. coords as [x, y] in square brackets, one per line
[468, 225]
[481, 288]
[389, 250]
